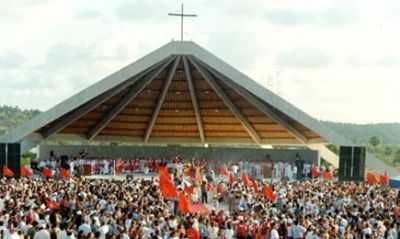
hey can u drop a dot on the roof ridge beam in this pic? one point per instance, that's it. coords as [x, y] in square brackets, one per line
[127, 98]
[231, 106]
[72, 116]
[161, 99]
[194, 99]
[260, 106]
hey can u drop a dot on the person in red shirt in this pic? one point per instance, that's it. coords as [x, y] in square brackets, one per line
[242, 230]
[253, 228]
[213, 217]
[220, 217]
[265, 228]
[192, 233]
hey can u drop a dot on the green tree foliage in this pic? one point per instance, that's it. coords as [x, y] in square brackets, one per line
[388, 151]
[396, 159]
[374, 141]
[11, 117]
[388, 133]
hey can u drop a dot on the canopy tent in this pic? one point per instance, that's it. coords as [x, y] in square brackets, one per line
[178, 94]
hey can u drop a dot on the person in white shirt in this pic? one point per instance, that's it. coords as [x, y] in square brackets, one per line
[294, 172]
[367, 231]
[290, 229]
[275, 170]
[311, 234]
[12, 232]
[274, 231]
[235, 170]
[228, 232]
[43, 233]
[392, 233]
[103, 230]
[288, 171]
[85, 228]
[298, 230]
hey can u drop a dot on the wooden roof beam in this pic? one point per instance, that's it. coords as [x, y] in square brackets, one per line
[161, 99]
[260, 106]
[231, 106]
[193, 98]
[91, 105]
[128, 97]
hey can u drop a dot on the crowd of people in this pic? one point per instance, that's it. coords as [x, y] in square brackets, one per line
[85, 164]
[79, 207]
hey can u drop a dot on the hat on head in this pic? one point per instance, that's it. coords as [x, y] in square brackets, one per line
[41, 224]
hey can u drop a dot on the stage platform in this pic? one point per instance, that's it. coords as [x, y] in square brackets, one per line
[122, 176]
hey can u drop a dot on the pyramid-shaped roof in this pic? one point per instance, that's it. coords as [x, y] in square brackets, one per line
[179, 93]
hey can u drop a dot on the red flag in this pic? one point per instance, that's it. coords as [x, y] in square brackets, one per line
[167, 187]
[186, 206]
[188, 190]
[327, 175]
[224, 171]
[183, 204]
[26, 172]
[7, 172]
[52, 204]
[46, 172]
[314, 171]
[269, 194]
[384, 179]
[64, 173]
[245, 179]
[254, 185]
[372, 178]
[192, 233]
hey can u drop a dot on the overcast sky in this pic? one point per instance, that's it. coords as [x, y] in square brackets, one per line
[336, 60]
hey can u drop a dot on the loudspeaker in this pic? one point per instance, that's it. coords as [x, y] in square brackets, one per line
[352, 163]
[359, 163]
[14, 158]
[3, 157]
[345, 158]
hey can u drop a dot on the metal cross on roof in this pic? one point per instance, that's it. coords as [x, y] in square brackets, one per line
[182, 15]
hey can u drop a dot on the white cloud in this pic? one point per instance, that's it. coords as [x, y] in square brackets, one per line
[334, 59]
[302, 57]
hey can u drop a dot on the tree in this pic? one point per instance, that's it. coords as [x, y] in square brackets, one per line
[374, 141]
[396, 159]
[388, 151]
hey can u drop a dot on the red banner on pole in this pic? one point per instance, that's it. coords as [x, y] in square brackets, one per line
[269, 194]
[167, 187]
[7, 172]
[46, 172]
[26, 172]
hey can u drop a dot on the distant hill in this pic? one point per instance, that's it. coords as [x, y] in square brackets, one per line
[388, 133]
[11, 117]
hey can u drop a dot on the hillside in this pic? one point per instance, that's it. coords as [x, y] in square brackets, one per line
[11, 117]
[388, 133]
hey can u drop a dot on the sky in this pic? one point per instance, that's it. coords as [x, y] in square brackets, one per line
[336, 60]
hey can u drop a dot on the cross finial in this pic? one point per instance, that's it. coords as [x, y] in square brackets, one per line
[182, 15]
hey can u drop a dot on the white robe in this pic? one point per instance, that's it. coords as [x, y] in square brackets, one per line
[289, 172]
